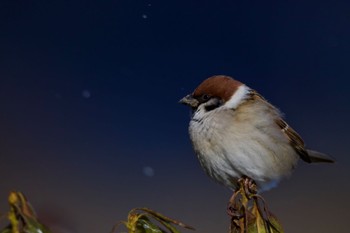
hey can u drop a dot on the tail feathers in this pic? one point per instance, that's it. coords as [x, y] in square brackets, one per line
[318, 157]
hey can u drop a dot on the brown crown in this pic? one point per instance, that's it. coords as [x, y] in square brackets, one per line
[218, 86]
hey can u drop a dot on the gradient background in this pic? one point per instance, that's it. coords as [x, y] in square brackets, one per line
[89, 121]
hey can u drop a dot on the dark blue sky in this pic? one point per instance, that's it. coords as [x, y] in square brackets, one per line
[89, 121]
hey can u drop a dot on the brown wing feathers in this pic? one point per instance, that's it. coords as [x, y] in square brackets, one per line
[294, 139]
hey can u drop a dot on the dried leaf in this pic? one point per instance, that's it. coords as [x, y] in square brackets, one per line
[250, 213]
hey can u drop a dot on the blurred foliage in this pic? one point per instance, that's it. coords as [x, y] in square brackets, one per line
[144, 220]
[23, 219]
[249, 212]
[22, 216]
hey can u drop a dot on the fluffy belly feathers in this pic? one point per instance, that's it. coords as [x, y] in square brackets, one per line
[227, 152]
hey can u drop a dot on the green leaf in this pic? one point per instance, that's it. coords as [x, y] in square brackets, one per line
[165, 220]
[33, 226]
[145, 225]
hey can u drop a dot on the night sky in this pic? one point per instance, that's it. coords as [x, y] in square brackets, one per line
[90, 125]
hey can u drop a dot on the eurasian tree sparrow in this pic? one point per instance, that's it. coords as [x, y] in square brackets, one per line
[235, 132]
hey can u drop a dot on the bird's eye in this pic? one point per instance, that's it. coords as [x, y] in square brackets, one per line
[205, 97]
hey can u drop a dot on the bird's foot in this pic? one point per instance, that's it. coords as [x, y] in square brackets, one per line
[249, 186]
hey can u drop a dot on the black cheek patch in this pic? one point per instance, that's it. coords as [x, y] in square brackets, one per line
[213, 105]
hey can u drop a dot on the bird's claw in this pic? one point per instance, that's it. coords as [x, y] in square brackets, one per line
[249, 186]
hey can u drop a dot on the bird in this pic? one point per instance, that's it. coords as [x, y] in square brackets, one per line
[236, 132]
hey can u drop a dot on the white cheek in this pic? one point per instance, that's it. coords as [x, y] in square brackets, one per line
[238, 97]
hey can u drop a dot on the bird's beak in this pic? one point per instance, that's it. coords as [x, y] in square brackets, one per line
[190, 101]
